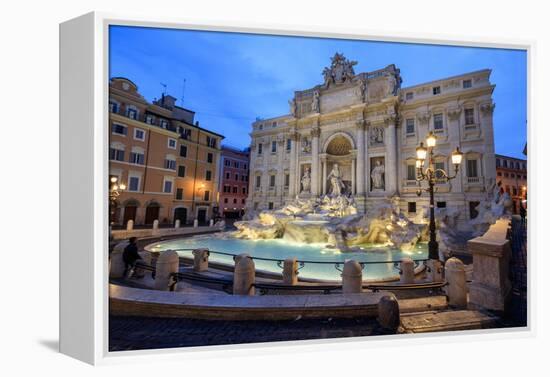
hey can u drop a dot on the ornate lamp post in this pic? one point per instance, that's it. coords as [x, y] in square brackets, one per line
[115, 189]
[431, 174]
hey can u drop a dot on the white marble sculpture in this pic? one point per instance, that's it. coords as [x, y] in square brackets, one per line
[377, 176]
[335, 181]
[306, 181]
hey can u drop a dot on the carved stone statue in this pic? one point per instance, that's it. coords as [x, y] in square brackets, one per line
[363, 90]
[292, 104]
[336, 181]
[306, 145]
[315, 104]
[377, 175]
[377, 136]
[341, 70]
[306, 181]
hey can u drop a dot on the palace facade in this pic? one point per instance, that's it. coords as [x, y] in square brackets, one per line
[369, 126]
[512, 175]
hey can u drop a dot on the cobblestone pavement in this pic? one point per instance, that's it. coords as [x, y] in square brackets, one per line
[137, 333]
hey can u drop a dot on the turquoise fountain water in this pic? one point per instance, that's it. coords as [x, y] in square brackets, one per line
[280, 249]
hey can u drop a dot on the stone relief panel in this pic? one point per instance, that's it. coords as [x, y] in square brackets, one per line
[337, 99]
[376, 136]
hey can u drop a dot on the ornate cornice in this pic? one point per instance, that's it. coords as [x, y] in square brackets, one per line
[487, 108]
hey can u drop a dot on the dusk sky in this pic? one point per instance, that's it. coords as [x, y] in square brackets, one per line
[232, 78]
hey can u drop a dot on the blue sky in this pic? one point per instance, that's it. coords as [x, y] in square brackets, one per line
[232, 78]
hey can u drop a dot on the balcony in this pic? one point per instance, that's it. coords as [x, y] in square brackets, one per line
[474, 184]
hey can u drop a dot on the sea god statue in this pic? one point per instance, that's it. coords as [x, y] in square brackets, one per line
[336, 181]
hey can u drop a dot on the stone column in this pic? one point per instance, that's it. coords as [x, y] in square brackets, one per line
[324, 176]
[391, 163]
[361, 155]
[407, 271]
[117, 264]
[315, 133]
[244, 275]
[280, 181]
[292, 182]
[353, 176]
[290, 271]
[200, 260]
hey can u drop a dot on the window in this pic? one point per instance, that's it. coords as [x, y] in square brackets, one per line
[411, 172]
[514, 191]
[119, 129]
[242, 201]
[441, 204]
[287, 180]
[227, 162]
[467, 84]
[139, 134]
[409, 96]
[209, 157]
[270, 205]
[499, 174]
[244, 190]
[469, 116]
[170, 164]
[137, 158]
[236, 164]
[505, 163]
[208, 175]
[258, 181]
[438, 173]
[163, 123]
[409, 126]
[181, 171]
[172, 143]
[411, 207]
[131, 112]
[234, 200]
[206, 195]
[245, 166]
[512, 175]
[133, 184]
[436, 90]
[185, 133]
[235, 189]
[260, 146]
[273, 147]
[498, 162]
[288, 144]
[116, 154]
[227, 175]
[243, 178]
[274, 124]
[179, 194]
[438, 121]
[113, 107]
[236, 177]
[167, 186]
[149, 119]
[183, 150]
[471, 168]
[226, 188]
[211, 141]
[225, 200]
[272, 181]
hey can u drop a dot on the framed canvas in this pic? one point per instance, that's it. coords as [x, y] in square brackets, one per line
[236, 185]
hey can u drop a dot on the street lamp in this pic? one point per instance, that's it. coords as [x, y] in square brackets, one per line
[115, 189]
[430, 174]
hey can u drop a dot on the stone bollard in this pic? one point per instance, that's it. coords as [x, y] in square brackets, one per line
[435, 273]
[117, 263]
[155, 224]
[290, 271]
[200, 260]
[352, 277]
[211, 223]
[195, 223]
[167, 263]
[145, 259]
[388, 313]
[244, 275]
[130, 225]
[456, 279]
[177, 223]
[407, 271]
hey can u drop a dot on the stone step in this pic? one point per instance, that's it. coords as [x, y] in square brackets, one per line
[422, 304]
[446, 321]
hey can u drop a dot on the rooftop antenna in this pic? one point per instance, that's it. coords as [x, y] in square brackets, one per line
[183, 92]
[164, 91]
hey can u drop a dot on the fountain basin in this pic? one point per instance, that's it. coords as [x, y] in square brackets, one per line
[319, 257]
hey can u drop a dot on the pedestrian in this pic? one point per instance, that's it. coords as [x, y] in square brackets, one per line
[522, 213]
[130, 256]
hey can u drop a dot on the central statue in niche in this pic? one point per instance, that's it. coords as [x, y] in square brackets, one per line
[336, 181]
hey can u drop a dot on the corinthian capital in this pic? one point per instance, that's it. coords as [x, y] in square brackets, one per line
[487, 108]
[315, 132]
[361, 124]
[453, 113]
